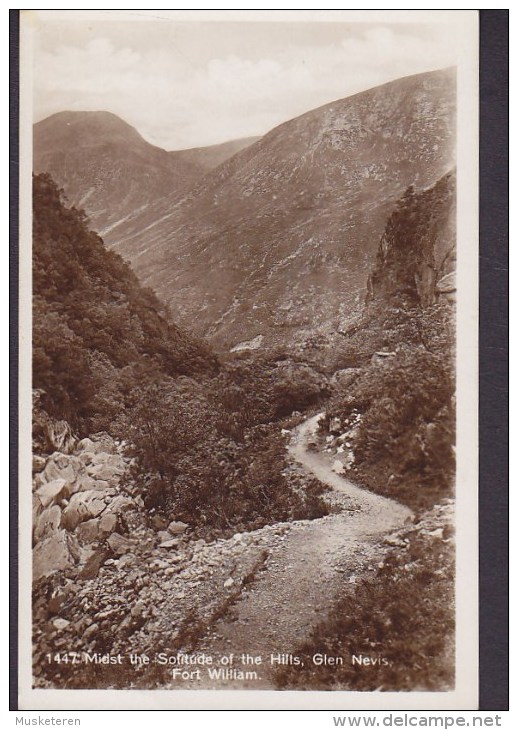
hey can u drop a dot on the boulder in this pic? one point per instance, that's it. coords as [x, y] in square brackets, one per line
[119, 544]
[88, 531]
[51, 555]
[85, 445]
[83, 483]
[82, 506]
[54, 491]
[60, 623]
[94, 563]
[47, 523]
[37, 508]
[119, 504]
[107, 523]
[104, 471]
[102, 441]
[177, 527]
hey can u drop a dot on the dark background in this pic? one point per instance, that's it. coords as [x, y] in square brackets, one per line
[494, 388]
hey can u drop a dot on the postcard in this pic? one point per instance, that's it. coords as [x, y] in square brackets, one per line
[248, 381]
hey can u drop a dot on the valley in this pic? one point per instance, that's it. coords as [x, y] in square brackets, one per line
[244, 398]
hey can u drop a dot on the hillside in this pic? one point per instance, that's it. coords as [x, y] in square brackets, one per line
[207, 158]
[394, 398]
[96, 330]
[288, 228]
[106, 168]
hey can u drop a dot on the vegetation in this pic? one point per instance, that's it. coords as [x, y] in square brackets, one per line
[97, 332]
[403, 614]
[206, 438]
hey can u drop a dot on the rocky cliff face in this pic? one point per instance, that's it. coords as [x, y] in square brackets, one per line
[415, 263]
[279, 240]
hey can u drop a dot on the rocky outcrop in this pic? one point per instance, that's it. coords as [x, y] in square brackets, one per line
[77, 504]
[415, 263]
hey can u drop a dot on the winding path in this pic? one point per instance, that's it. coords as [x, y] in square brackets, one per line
[276, 612]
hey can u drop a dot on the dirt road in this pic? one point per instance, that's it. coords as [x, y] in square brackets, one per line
[277, 611]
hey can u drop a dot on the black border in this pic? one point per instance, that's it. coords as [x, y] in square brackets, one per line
[493, 360]
[14, 110]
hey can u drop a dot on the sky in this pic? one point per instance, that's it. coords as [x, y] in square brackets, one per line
[185, 84]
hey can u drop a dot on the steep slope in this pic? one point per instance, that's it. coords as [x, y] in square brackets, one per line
[96, 331]
[279, 240]
[109, 170]
[396, 405]
[207, 158]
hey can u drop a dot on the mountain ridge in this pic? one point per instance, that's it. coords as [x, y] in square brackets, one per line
[292, 222]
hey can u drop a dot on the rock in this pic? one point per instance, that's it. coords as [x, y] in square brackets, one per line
[52, 492]
[93, 564]
[48, 522]
[90, 631]
[163, 535]
[335, 426]
[60, 623]
[111, 460]
[169, 544]
[108, 523]
[157, 522]
[119, 544]
[38, 463]
[138, 609]
[228, 583]
[83, 506]
[338, 467]
[88, 531]
[83, 483]
[119, 504]
[177, 527]
[51, 555]
[86, 457]
[104, 471]
[85, 444]
[395, 541]
[102, 441]
[37, 508]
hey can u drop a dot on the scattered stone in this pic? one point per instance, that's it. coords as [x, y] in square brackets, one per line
[157, 522]
[51, 555]
[228, 583]
[169, 544]
[93, 564]
[48, 522]
[119, 544]
[108, 523]
[395, 541]
[88, 531]
[60, 623]
[52, 492]
[177, 528]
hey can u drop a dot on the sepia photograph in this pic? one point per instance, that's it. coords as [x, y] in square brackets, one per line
[249, 285]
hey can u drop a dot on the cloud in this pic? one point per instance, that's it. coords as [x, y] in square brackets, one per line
[178, 99]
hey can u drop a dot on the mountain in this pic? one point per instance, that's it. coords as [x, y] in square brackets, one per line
[109, 170]
[97, 334]
[280, 239]
[207, 158]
